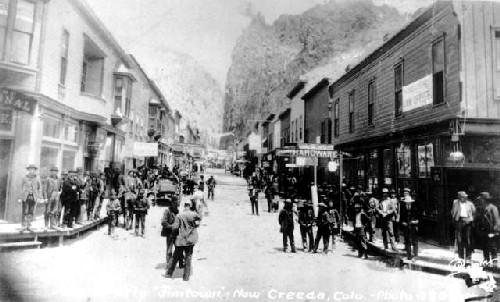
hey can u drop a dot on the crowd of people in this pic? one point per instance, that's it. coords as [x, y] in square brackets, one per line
[476, 223]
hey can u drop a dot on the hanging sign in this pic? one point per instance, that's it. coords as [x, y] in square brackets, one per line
[145, 149]
[17, 100]
[306, 153]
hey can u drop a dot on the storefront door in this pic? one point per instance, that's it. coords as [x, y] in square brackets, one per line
[5, 148]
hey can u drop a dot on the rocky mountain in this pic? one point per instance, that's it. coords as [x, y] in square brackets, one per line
[190, 89]
[268, 59]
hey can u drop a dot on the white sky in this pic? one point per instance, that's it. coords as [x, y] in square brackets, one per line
[205, 29]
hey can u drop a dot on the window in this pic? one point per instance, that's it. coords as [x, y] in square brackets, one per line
[403, 153]
[118, 94]
[398, 88]
[92, 68]
[64, 57]
[336, 114]
[4, 13]
[68, 160]
[51, 127]
[23, 32]
[300, 127]
[496, 64]
[388, 166]
[293, 138]
[371, 100]
[329, 131]
[296, 129]
[373, 169]
[323, 132]
[122, 93]
[48, 158]
[351, 111]
[70, 132]
[84, 76]
[425, 160]
[438, 71]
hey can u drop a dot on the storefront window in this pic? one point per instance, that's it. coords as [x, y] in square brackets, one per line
[70, 133]
[51, 127]
[361, 170]
[425, 160]
[48, 158]
[373, 171]
[68, 161]
[404, 160]
[388, 167]
[5, 120]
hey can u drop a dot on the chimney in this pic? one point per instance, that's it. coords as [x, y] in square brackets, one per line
[348, 67]
[386, 37]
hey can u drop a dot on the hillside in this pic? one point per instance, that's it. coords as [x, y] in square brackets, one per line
[190, 89]
[269, 58]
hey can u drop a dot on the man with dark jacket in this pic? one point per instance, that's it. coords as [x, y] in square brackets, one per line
[187, 223]
[323, 228]
[211, 186]
[306, 220]
[492, 219]
[409, 215]
[285, 220]
[141, 207]
[361, 220]
[69, 198]
[167, 223]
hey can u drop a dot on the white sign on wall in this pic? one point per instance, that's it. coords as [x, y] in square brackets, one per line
[254, 142]
[145, 149]
[418, 93]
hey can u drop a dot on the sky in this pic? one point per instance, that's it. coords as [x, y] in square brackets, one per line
[207, 30]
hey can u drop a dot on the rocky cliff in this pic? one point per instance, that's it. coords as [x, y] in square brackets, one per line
[268, 59]
[190, 89]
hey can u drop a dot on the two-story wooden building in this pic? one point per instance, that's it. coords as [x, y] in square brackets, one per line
[423, 111]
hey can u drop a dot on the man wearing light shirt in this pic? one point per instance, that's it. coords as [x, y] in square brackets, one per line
[462, 213]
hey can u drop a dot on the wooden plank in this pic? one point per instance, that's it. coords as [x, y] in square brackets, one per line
[20, 244]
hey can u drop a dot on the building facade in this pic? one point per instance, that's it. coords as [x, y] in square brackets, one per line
[421, 111]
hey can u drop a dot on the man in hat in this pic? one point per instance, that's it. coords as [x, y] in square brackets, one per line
[395, 217]
[253, 193]
[285, 220]
[323, 231]
[462, 213]
[386, 212]
[371, 211]
[361, 220]
[211, 186]
[141, 207]
[69, 198]
[112, 209]
[187, 223]
[409, 216]
[492, 219]
[306, 220]
[131, 190]
[51, 193]
[31, 192]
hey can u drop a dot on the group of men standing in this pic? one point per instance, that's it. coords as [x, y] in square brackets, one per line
[73, 198]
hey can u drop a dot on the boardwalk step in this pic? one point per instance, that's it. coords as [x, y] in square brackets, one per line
[20, 244]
